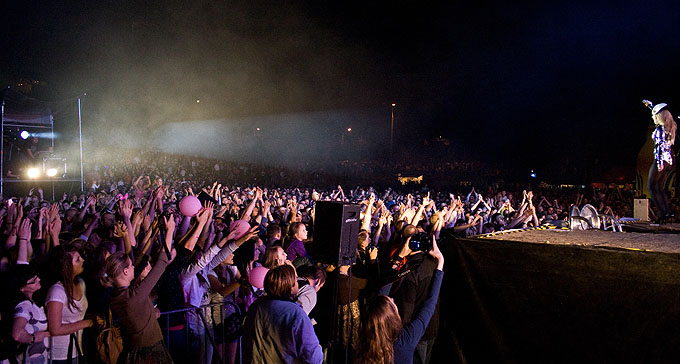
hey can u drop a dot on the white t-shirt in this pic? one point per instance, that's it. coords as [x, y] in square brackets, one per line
[36, 321]
[59, 344]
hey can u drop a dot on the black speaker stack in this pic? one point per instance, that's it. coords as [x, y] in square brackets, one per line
[336, 232]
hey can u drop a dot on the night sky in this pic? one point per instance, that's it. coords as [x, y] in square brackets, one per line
[513, 82]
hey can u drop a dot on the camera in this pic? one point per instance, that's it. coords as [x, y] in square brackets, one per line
[420, 242]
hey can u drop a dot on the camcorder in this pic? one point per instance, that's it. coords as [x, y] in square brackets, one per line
[421, 242]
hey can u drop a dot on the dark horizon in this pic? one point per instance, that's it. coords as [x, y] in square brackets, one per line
[526, 84]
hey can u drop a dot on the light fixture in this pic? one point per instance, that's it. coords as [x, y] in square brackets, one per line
[24, 134]
[33, 173]
[54, 167]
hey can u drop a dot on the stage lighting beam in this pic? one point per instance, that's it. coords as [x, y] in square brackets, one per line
[33, 173]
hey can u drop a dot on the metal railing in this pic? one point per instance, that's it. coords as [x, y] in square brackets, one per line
[208, 317]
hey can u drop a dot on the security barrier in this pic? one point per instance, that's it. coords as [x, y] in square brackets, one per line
[203, 333]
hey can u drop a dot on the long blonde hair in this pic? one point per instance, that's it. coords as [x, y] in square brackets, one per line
[665, 119]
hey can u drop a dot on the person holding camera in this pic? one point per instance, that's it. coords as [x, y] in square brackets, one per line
[388, 338]
[413, 290]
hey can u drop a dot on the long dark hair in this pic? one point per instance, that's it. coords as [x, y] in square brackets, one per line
[61, 264]
[379, 330]
[243, 256]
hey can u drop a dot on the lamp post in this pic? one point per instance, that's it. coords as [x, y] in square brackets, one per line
[392, 129]
[342, 136]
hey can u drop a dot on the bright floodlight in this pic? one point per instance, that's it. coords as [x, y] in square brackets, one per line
[33, 172]
[24, 134]
[51, 172]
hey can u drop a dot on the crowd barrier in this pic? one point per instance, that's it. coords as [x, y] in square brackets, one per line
[201, 332]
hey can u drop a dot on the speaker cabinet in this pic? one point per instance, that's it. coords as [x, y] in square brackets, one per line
[641, 209]
[336, 232]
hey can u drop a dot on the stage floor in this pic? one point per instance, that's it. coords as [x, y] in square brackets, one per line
[658, 239]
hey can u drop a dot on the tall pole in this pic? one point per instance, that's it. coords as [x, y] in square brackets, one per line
[392, 130]
[80, 139]
[2, 144]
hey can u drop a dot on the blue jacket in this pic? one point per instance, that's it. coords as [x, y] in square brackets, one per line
[410, 334]
[278, 331]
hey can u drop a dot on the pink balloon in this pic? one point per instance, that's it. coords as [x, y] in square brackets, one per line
[256, 276]
[240, 227]
[189, 206]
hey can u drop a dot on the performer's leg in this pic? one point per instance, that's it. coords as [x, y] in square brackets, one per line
[663, 196]
[655, 189]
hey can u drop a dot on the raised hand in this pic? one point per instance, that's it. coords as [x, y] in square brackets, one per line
[20, 212]
[53, 212]
[44, 213]
[249, 235]
[373, 253]
[125, 209]
[383, 218]
[120, 230]
[91, 200]
[437, 254]
[137, 218]
[55, 226]
[169, 223]
[209, 205]
[24, 232]
[204, 215]
[426, 199]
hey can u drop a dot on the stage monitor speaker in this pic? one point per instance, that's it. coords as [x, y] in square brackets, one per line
[336, 232]
[641, 209]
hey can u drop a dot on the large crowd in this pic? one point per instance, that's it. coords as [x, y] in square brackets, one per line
[124, 270]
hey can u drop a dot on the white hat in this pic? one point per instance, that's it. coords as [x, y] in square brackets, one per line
[658, 108]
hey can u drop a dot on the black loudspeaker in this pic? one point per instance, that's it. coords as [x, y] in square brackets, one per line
[336, 232]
